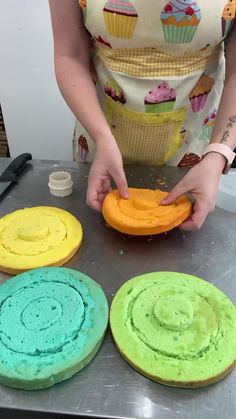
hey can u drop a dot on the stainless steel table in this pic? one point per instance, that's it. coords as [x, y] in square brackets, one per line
[109, 387]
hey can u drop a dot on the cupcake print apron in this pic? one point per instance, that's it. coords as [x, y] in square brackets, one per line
[158, 67]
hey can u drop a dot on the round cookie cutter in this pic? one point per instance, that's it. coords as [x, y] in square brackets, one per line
[60, 184]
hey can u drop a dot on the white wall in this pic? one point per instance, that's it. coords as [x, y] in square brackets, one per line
[37, 119]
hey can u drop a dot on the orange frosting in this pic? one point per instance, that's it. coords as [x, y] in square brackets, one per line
[204, 85]
[184, 22]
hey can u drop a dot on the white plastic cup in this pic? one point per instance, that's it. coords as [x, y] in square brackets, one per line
[60, 184]
[226, 195]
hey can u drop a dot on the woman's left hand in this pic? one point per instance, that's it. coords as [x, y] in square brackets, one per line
[202, 182]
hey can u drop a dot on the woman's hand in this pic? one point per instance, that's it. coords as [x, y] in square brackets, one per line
[107, 164]
[202, 182]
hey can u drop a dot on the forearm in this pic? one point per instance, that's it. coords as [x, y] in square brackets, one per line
[225, 127]
[78, 90]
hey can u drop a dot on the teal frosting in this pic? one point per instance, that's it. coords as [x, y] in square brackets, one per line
[52, 321]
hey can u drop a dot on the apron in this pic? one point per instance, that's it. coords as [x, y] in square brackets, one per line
[159, 71]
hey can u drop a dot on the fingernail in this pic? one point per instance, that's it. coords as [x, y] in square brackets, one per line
[126, 194]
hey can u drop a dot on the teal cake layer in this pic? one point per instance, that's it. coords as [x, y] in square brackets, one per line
[52, 322]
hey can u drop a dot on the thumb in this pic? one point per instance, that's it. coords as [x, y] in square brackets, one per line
[121, 183]
[174, 194]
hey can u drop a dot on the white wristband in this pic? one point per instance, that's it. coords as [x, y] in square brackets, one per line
[225, 151]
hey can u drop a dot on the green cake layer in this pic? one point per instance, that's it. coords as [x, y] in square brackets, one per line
[175, 328]
[52, 322]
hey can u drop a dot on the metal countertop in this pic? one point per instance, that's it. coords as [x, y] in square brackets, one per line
[108, 387]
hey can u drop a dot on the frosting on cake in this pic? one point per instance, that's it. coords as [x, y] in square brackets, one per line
[161, 93]
[181, 10]
[123, 7]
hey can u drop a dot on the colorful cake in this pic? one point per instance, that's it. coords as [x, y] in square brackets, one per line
[120, 18]
[208, 125]
[228, 16]
[53, 321]
[83, 148]
[113, 90]
[199, 94]
[38, 236]
[160, 99]
[176, 329]
[180, 20]
[142, 213]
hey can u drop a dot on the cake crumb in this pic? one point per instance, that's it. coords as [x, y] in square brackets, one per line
[121, 252]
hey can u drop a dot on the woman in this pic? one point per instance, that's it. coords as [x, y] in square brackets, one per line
[153, 91]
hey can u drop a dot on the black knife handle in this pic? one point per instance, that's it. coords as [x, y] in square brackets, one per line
[15, 167]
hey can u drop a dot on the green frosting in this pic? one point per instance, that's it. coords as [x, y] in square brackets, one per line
[175, 328]
[52, 322]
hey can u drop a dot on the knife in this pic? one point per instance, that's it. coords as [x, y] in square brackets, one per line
[14, 169]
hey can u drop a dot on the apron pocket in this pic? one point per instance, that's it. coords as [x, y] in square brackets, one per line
[145, 138]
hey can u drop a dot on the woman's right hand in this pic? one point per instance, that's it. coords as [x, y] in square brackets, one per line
[107, 164]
